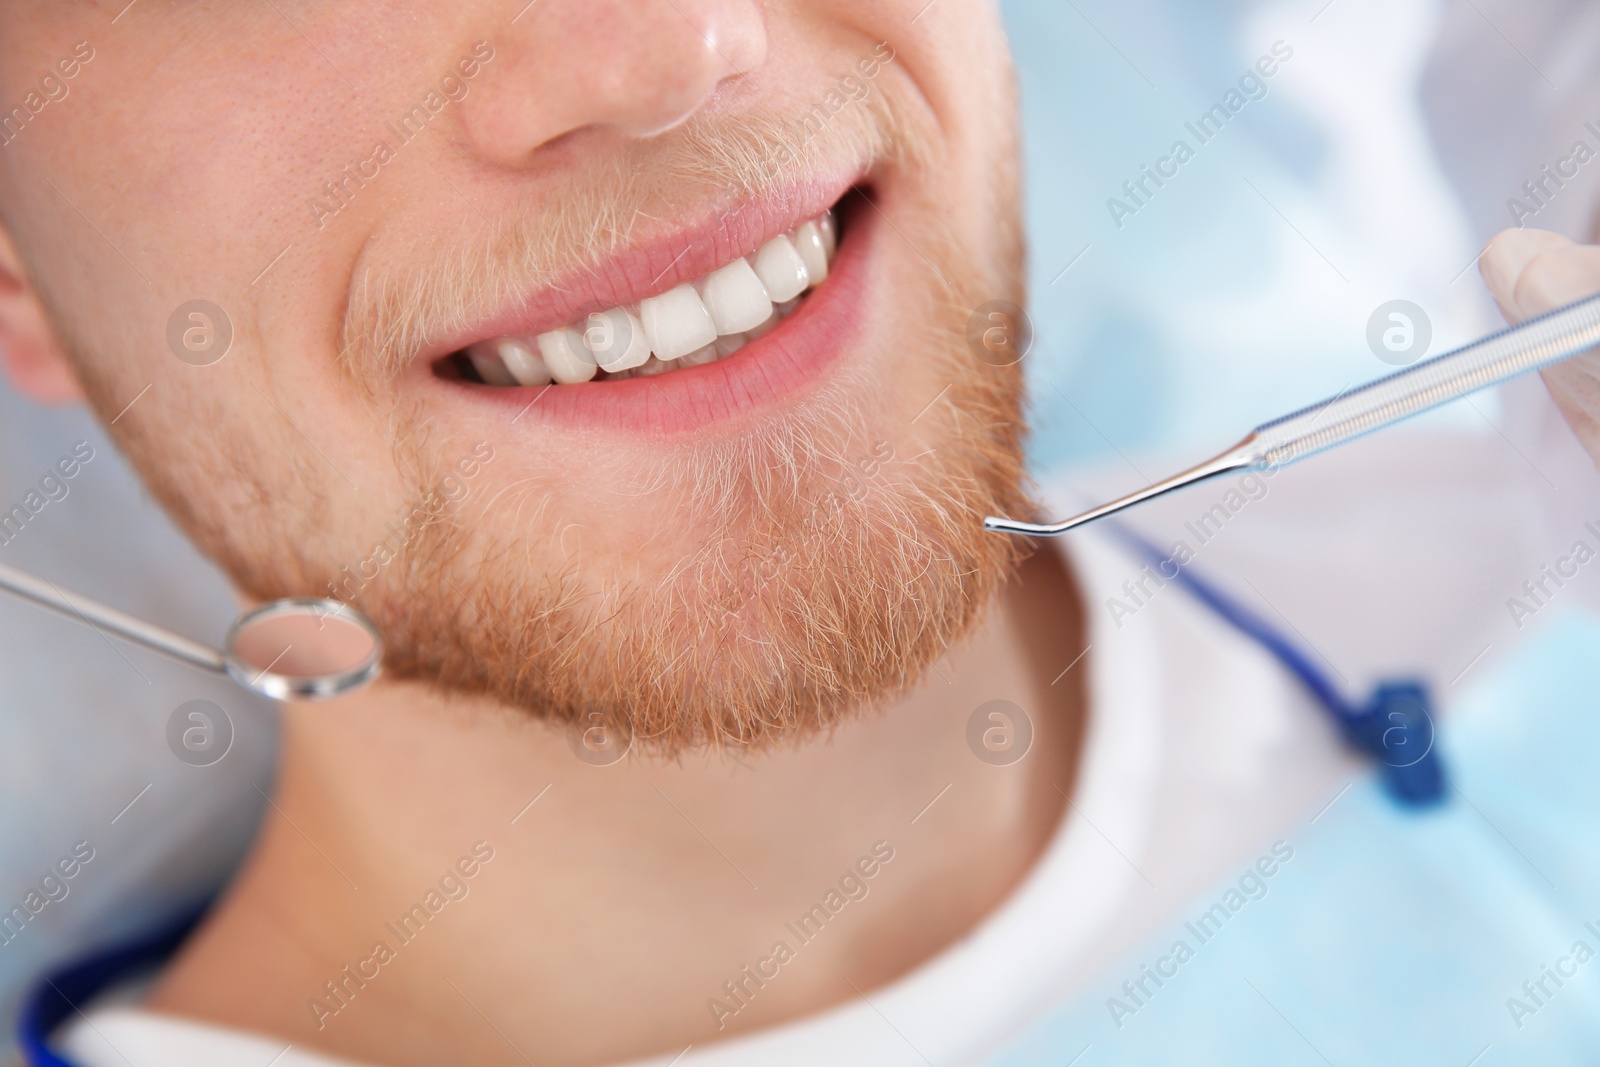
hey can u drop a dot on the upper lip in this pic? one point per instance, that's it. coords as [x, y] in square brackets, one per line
[657, 263]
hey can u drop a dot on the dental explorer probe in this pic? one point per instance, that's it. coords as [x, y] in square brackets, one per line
[1547, 339]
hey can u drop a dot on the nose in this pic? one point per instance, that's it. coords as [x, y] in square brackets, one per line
[638, 67]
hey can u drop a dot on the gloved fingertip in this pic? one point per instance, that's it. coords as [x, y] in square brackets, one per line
[1507, 257]
[1556, 278]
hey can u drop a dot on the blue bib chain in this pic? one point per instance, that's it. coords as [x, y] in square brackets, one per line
[57, 998]
[1395, 727]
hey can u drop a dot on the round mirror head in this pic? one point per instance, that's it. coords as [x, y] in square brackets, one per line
[303, 649]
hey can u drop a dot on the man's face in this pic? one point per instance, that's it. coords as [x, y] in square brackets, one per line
[382, 209]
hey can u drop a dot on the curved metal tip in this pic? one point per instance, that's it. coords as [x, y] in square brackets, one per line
[997, 524]
[1239, 457]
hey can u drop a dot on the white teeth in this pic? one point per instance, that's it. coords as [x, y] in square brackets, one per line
[692, 324]
[708, 354]
[653, 366]
[781, 269]
[735, 298]
[524, 364]
[566, 355]
[487, 363]
[808, 242]
[762, 330]
[617, 340]
[676, 323]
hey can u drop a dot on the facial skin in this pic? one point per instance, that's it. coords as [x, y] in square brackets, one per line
[690, 577]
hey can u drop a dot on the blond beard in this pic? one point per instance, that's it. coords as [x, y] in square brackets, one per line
[842, 570]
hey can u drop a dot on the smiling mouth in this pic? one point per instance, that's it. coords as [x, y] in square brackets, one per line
[691, 324]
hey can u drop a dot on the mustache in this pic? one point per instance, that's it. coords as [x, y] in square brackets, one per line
[394, 314]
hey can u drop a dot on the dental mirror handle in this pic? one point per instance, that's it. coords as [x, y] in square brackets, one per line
[103, 617]
[1539, 342]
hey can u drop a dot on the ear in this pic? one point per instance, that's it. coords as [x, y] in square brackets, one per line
[29, 351]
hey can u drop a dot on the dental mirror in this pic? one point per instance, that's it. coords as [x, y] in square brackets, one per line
[298, 648]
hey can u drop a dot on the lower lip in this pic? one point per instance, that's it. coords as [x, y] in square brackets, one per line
[779, 367]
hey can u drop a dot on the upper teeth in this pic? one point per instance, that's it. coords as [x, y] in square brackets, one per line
[696, 322]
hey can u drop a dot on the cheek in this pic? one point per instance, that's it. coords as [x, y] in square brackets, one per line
[197, 205]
